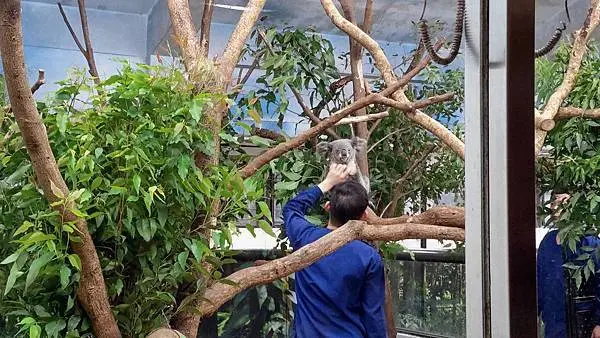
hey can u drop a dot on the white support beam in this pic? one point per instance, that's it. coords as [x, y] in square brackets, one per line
[500, 172]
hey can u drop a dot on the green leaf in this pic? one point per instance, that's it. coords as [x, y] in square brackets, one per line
[182, 259]
[286, 185]
[266, 227]
[36, 266]
[196, 110]
[250, 228]
[54, 328]
[137, 180]
[259, 141]
[183, 165]
[264, 209]
[41, 312]
[65, 274]
[13, 257]
[62, 118]
[35, 331]
[57, 192]
[24, 227]
[118, 286]
[15, 272]
[75, 261]
[163, 213]
[73, 322]
[178, 128]
[144, 230]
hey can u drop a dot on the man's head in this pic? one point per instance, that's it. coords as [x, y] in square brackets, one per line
[347, 201]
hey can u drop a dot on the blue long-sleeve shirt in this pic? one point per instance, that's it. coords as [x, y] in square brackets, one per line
[552, 304]
[342, 294]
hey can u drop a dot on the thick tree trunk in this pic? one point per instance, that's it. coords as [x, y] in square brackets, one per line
[92, 290]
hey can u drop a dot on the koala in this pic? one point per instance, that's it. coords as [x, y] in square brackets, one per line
[344, 152]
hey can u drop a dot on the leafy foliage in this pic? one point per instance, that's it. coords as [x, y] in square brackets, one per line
[127, 158]
[574, 162]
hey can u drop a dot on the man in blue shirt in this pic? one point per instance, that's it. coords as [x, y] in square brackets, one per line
[342, 294]
[552, 301]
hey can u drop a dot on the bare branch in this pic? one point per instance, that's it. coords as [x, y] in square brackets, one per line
[310, 114]
[268, 134]
[219, 293]
[91, 291]
[440, 215]
[364, 118]
[41, 80]
[398, 131]
[568, 112]
[250, 70]
[238, 38]
[89, 55]
[368, 18]
[71, 30]
[207, 14]
[577, 53]
[88, 51]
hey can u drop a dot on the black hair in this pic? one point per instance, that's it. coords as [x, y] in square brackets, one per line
[348, 201]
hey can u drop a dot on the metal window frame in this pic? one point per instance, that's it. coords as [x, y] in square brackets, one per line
[499, 169]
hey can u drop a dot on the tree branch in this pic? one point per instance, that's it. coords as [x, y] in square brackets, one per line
[88, 51]
[41, 80]
[91, 292]
[268, 134]
[440, 215]
[356, 69]
[185, 35]
[578, 51]
[207, 14]
[386, 70]
[235, 45]
[273, 153]
[71, 30]
[568, 112]
[219, 293]
[364, 118]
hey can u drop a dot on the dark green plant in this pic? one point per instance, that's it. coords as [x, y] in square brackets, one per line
[127, 157]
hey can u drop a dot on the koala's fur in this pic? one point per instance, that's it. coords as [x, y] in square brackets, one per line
[344, 152]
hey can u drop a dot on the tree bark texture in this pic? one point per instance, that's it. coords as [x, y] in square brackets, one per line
[91, 292]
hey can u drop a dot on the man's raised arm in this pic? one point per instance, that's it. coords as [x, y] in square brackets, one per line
[296, 226]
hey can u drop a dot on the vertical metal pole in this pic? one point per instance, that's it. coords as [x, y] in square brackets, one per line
[476, 167]
[500, 172]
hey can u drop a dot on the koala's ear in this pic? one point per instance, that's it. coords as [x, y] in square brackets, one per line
[323, 148]
[358, 143]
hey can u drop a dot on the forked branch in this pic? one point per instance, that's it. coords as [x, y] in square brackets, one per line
[87, 51]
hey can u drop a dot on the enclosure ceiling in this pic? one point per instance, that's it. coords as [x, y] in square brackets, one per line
[392, 18]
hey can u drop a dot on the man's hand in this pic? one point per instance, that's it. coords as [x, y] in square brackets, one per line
[596, 332]
[337, 174]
